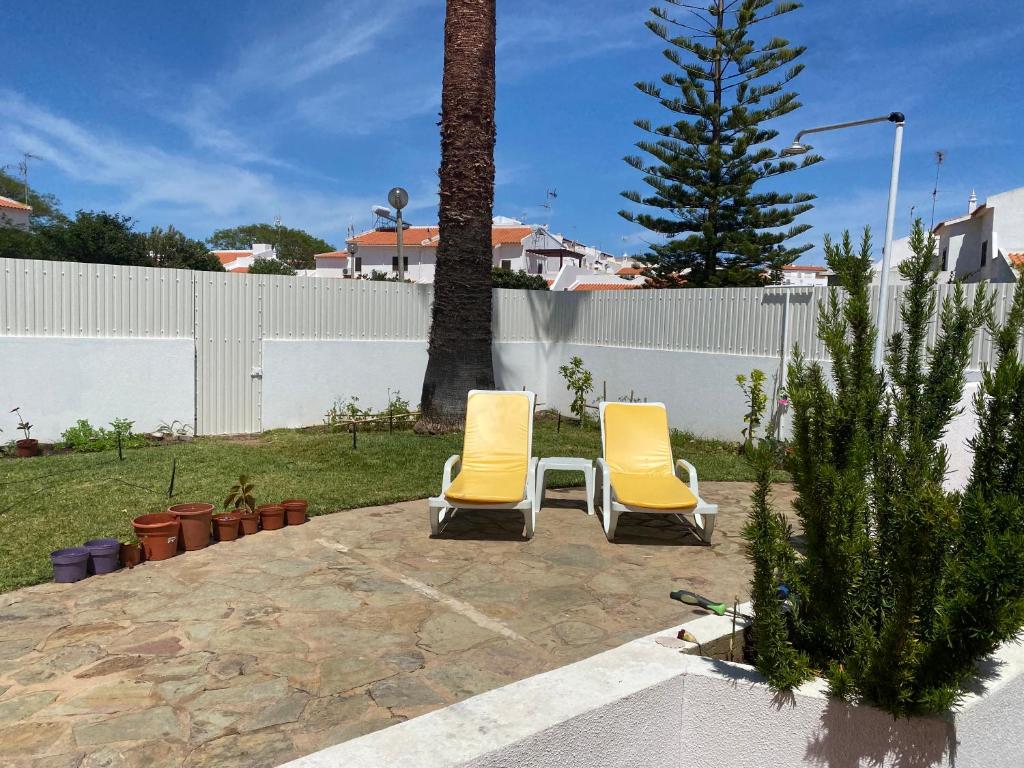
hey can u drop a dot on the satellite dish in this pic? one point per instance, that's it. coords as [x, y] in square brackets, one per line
[398, 198]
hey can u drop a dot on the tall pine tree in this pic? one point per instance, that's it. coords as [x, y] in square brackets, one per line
[706, 163]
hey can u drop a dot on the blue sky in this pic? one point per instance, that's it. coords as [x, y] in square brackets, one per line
[208, 115]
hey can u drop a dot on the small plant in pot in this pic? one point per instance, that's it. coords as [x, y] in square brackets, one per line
[27, 446]
[241, 500]
[131, 553]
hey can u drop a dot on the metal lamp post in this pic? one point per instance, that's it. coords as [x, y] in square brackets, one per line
[399, 198]
[798, 148]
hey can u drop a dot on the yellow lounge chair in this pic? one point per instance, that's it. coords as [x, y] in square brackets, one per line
[637, 473]
[496, 469]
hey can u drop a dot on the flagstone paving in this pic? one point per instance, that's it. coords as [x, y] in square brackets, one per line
[254, 652]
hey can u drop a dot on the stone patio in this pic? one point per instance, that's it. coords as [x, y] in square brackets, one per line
[254, 652]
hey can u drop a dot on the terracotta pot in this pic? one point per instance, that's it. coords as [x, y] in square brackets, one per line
[158, 534]
[272, 516]
[131, 555]
[226, 524]
[195, 524]
[70, 565]
[26, 448]
[250, 522]
[295, 511]
[104, 555]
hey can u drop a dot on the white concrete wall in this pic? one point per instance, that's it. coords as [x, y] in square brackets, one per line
[699, 389]
[302, 379]
[57, 381]
[646, 705]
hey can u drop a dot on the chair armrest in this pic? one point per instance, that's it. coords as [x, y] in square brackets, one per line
[453, 464]
[691, 472]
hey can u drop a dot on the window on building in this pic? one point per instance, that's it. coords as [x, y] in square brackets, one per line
[506, 263]
[540, 267]
[405, 263]
[984, 252]
[358, 264]
[945, 259]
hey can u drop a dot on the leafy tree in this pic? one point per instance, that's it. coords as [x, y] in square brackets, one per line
[903, 587]
[506, 278]
[459, 356]
[295, 246]
[21, 244]
[703, 166]
[99, 238]
[171, 248]
[45, 207]
[271, 267]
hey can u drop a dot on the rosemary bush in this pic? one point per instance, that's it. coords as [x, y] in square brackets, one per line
[902, 587]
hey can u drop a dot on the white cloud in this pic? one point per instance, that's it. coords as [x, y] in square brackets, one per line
[150, 183]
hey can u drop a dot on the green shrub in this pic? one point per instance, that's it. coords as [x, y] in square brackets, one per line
[506, 278]
[580, 382]
[757, 401]
[340, 415]
[903, 587]
[83, 437]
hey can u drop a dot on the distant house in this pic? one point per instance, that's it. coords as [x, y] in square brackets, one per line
[800, 275]
[514, 246]
[241, 260]
[986, 243]
[14, 214]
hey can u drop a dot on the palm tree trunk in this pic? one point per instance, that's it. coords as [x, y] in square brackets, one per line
[460, 330]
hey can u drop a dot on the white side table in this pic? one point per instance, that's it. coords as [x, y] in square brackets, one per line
[567, 464]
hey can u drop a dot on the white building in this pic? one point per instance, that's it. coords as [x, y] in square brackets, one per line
[514, 246]
[804, 276]
[987, 243]
[14, 214]
[241, 260]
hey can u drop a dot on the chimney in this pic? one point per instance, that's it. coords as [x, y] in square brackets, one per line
[972, 202]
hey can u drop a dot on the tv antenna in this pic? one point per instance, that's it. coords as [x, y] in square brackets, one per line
[548, 204]
[23, 171]
[940, 156]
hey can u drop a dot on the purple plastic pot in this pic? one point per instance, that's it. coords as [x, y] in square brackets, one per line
[104, 555]
[70, 564]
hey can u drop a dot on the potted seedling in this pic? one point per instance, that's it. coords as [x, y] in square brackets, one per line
[27, 446]
[131, 553]
[243, 504]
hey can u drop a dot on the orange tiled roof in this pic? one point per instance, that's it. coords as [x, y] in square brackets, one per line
[604, 287]
[630, 271]
[6, 202]
[239, 269]
[1016, 259]
[508, 235]
[416, 236]
[332, 255]
[801, 268]
[226, 257]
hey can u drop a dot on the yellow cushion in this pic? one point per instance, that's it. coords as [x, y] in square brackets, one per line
[652, 491]
[496, 450]
[638, 452]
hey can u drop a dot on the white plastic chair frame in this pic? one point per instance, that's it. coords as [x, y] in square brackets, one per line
[703, 514]
[439, 508]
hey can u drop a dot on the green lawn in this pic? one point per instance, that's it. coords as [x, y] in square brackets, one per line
[62, 500]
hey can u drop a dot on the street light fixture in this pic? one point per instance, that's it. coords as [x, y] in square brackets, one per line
[399, 198]
[799, 148]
